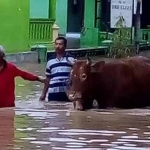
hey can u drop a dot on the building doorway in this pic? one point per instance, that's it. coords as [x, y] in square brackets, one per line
[75, 17]
[145, 20]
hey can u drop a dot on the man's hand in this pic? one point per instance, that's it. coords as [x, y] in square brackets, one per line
[42, 79]
[46, 86]
[42, 97]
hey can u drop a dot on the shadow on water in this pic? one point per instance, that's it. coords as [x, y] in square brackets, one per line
[56, 126]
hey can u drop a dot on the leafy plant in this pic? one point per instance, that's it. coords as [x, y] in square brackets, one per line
[121, 47]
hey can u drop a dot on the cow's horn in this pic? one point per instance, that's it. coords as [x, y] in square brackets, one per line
[88, 61]
[69, 62]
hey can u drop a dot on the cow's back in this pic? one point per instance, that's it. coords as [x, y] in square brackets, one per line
[124, 83]
[141, 69]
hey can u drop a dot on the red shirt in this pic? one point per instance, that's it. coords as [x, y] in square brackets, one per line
[7, 83]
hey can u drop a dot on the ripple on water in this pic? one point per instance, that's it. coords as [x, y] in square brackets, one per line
[146, 133]
[30, 138]
[131, 148]
[79, 131]
[138, 114]
[33, 104]
[134, 129]
[130, 137]
[18, 110]
[135, 134]
[82, 138]
[18, 96]
[68, 133]
[26, 129]
[81, 144]
[133, 140]
[74, 146]
[40, 142]
[60, 148]
[77, 141]
[130, 145]
[119, 143]
[112, 149]
[64, 140]
[96, 131]
[38, 114]
[97, 140]
[41, 115]
[50, 128]
[41, 118]
[108, 145]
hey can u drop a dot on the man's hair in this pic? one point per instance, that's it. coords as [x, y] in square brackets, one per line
[62, 38]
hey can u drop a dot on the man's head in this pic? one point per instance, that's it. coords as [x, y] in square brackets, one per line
[60, 45]
[2, 53]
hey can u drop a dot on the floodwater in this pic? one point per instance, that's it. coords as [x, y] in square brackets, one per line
[57, 126]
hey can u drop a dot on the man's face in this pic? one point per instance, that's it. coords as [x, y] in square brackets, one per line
[59, 46]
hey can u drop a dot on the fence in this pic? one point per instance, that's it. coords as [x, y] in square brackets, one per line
[40, 30]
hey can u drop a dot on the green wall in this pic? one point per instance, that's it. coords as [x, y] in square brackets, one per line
[61, 15]
[90, 36]
[89, 13]
[52, 6]
[14, 25]
[47, 9]
[39, 9]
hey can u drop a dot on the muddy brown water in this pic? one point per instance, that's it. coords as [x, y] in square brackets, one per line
[56, 126]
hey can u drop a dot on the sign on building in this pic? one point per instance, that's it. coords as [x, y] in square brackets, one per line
[135, 6]
[121, 13]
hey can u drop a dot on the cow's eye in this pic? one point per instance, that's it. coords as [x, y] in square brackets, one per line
[84, 76]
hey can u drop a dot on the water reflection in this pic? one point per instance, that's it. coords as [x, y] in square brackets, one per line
[7, 128]
[66, 129]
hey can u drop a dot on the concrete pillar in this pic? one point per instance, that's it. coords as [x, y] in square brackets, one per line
[55, 28]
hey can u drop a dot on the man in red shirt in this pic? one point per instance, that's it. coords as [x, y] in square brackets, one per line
[8, 72]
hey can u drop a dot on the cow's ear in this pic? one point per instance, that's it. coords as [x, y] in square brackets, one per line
[97, 66]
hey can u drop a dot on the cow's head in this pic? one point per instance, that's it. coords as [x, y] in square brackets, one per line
[80, 78]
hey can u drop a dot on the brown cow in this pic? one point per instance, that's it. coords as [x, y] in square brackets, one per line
[120, 83]
[76, 96]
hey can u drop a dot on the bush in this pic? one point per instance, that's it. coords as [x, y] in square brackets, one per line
[121, 46]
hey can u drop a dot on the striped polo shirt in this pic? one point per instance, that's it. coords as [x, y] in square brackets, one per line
[58, 71]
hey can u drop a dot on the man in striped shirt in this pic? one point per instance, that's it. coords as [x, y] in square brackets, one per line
[57, 73]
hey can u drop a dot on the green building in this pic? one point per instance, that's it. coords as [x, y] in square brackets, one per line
[25, 23]
[29, 22]
[85, 17]
[91, 19]
[78, 17]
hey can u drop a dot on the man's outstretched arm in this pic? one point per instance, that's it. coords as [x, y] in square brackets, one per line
[27, 76]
